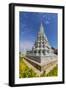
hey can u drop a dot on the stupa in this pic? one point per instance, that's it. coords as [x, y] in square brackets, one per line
[41, 55]
[42, 46]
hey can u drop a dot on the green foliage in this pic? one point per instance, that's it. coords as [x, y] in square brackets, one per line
[24, 71]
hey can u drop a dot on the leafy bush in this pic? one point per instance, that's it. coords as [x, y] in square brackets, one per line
[24, 71]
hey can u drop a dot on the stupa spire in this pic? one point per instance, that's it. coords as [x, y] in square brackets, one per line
[41, 28]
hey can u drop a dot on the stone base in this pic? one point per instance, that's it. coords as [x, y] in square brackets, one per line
[47, 64]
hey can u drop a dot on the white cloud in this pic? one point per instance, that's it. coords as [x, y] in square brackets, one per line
[25, 45]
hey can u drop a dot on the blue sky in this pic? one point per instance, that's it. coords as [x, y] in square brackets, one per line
[29, 25]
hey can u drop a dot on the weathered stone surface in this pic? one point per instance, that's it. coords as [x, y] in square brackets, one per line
[45, 66]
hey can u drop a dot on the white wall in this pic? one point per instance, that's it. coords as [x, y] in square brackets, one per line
[4, 44]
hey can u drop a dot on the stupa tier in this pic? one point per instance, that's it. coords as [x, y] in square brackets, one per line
[42, 46]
